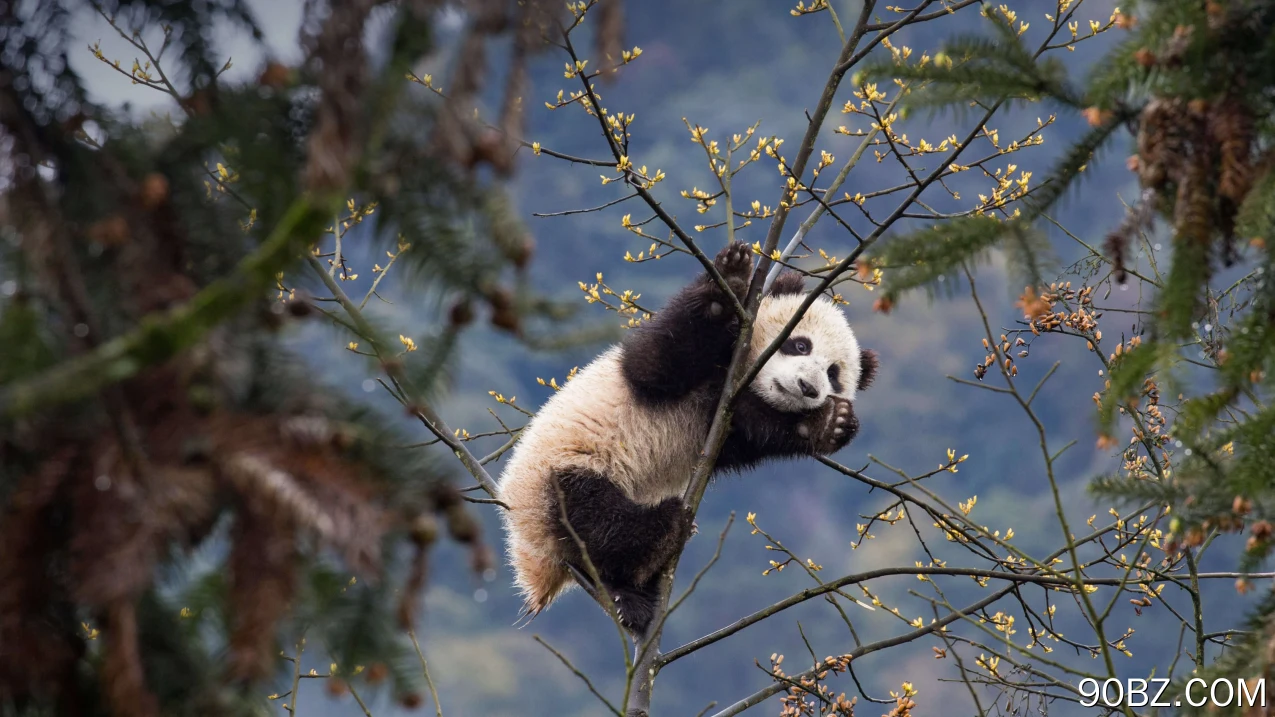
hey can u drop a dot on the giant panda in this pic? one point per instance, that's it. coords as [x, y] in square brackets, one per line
[617, 445]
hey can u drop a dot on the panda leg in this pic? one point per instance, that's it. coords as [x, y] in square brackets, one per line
[627, 543]
[760, 432]
[689, 341]
[634, 605]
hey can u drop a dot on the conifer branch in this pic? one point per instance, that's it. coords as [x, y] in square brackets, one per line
[160, 337]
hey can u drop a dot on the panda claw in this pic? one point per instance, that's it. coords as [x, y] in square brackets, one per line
[734, 263]
[828, 428]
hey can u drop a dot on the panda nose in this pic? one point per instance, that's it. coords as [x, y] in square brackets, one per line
[807, 390]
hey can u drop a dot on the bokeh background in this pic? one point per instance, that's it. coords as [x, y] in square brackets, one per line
[726, 65]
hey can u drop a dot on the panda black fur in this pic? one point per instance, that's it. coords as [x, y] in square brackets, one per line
[622, 438]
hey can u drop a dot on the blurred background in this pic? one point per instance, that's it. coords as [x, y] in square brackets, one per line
[725, 66]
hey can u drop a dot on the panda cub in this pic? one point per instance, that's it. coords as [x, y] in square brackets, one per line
[622, 438]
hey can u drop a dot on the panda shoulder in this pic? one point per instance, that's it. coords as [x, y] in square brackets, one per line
[788, 282]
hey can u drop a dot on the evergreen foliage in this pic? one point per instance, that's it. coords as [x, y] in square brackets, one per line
[149, 412]
[1194, 84]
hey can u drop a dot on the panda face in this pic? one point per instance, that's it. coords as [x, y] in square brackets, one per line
[819, 359]
[801, 375]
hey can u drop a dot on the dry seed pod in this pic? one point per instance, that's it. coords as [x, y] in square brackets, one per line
[462, 313]
[275, 75]
[424, 530]
[482, 558]
[461, 524]
[1231, 127]
[377, 673]
[110, 232]
[413, 587]
[154, 190]
[445, 496]
[609, 40]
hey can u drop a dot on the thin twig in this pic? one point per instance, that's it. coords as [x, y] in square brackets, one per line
[394, 370]
[761, 695]
[598, 208]
[438, 708]
[296, 675]
[583, 677]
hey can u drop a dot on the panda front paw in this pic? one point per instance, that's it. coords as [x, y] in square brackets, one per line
[735, 261]
[735, 264]
[829, 428]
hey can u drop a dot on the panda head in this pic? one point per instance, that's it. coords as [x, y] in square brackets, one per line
[819, 359]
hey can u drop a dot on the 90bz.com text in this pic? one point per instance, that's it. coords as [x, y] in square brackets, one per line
[1136, 692]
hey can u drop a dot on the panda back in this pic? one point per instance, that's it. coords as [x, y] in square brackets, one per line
[594, 422]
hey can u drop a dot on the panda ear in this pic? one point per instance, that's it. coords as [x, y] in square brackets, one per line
[867, 368]
[788, 282]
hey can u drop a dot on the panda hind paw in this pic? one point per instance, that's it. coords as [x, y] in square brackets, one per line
[634, 608]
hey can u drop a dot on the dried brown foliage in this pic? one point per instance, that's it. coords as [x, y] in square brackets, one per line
[1196, 155]
[336, 50]
[32, 655]
[462, 138]
[122, 676]
[609, 40]
[262, 580]
[109, 520]
[1231, 128]
[1197, 160]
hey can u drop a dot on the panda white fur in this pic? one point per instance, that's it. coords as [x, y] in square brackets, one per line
[621, 439]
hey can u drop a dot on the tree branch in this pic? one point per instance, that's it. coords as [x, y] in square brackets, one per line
[160, 337]
[394, 370]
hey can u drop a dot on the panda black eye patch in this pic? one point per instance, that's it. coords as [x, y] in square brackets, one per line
[834, 377]
[796, 346]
